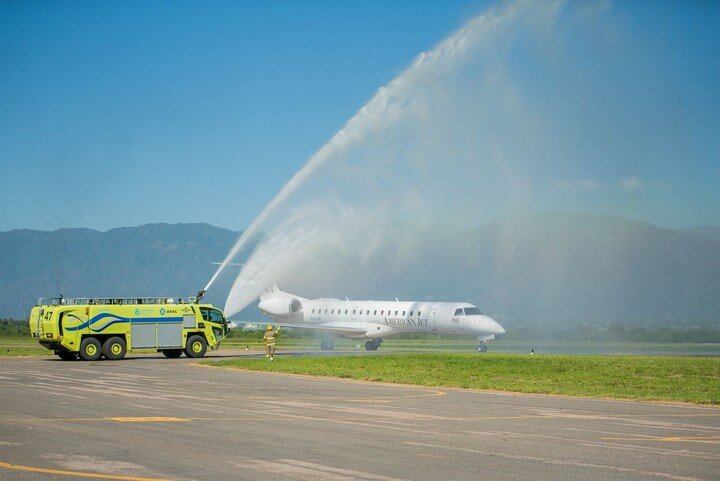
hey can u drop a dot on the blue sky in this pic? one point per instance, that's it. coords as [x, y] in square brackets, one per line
[120, 113]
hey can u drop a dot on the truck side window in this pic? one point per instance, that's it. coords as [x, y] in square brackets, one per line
[215, 316]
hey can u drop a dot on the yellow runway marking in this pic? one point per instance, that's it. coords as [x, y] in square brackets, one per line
[149, 419]
[76, 474]
[677, 439]
[372, 401]
[683, 415]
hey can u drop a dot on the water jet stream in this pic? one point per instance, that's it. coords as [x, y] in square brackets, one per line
[387, 105]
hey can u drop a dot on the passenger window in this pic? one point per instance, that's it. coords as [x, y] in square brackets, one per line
[332, 311]
[368, 312]
[396, 313]
[325, 311]
[411, 313]
[418, 313]
[374, 313]
[353, 311]
[458, 312]
[345, 311]
[382, 312]
[403, 313]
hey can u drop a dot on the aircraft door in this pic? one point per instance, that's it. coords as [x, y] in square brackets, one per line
[433, 320]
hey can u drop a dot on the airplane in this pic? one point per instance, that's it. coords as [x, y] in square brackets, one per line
[375, 320]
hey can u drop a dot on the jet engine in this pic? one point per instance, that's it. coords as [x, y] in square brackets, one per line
[280, 306]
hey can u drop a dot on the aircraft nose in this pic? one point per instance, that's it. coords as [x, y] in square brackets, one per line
[491, 326]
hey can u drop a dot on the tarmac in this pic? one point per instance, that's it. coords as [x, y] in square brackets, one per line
[151, 418]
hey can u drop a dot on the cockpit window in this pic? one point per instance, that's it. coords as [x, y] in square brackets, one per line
[472, 311]
[458, 311]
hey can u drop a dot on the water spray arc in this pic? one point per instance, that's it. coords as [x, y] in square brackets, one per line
[388, 104]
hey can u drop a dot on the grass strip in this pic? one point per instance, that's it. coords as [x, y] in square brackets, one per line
[659, 378]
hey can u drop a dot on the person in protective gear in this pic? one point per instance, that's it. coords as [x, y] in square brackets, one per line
[269, 341]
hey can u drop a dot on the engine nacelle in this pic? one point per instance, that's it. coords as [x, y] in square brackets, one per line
[280, 306]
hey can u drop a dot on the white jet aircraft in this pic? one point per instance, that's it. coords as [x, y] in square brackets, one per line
[375, 320]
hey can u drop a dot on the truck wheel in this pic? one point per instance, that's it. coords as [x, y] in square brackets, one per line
[172, 353]
[114, 348]
[67, 355]
[196, 346]
[90, 349]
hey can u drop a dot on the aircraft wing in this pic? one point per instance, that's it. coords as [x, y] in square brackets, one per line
[340, 327]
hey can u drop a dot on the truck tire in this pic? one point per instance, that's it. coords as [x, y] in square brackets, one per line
[90, 349]
[172, 353]
[114, 348]
[196, 346]
[67, 355]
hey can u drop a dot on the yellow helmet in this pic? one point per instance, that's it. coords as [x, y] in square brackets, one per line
[269, 328]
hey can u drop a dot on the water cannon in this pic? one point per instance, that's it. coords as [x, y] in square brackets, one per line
[200, 295]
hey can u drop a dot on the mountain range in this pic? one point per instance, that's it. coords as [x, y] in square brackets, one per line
[559, 267]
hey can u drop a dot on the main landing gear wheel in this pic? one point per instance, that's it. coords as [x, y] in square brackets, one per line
[172, 353]
[90, 349]
[482, 347]
[196, 346]
[114, 348]
[327, 345]
[372, 344]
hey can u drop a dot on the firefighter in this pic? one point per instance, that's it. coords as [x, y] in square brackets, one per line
[269, 340]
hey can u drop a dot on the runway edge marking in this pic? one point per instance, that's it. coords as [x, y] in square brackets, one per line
[76, 474]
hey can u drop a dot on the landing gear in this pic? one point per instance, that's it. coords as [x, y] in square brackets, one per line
[482, 347]
[327, 345]
[373, 344]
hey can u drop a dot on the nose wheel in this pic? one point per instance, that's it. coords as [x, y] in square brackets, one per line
[327, 345]
[482, 347]
[372, 344]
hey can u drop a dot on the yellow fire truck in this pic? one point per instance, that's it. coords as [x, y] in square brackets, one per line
[109, 327]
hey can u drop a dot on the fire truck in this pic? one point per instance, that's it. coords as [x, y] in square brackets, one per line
[91, 328]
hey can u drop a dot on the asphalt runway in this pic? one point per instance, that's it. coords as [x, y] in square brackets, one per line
[150, 418]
